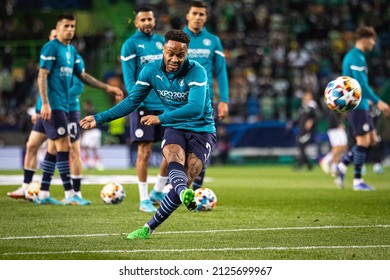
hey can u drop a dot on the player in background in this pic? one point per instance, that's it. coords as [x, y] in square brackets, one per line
[38, 136]
[143, 47]
[338, 140]
[361, 123]
[206, 48]
[35, 140]
[57, 66]
[189, 136]
[307, 120]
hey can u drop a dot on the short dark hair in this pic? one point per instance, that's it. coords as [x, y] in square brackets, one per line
[66, 16]
[365, 32]
[198, 4]
[177, 35]
[143, 8]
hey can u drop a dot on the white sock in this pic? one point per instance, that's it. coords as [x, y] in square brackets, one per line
[160, 183]
[357, 181]
[43, 194]
[78, 194]
[143, 191]
[69, 194]
[24, 186]
[327, 158]
[342, 167]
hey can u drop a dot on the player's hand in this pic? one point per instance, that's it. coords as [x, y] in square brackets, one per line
[150, 120]
[117, 92]
[384, 107]
[46, 111]
[88, 122]
[223, 110]
[34, 118]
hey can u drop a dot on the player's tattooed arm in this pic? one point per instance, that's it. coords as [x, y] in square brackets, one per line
[93, 82]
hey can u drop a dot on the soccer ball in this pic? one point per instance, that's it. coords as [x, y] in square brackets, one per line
[113, 193]
[343, 94]
[205, 199]
[32, 190]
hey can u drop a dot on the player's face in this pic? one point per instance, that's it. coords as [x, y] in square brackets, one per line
[53, 34]
[65, 30]
[174, 55]
[196, 18]
[145, 22]
[369, 44]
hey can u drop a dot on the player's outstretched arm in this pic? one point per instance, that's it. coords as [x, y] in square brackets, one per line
[88, 122]
[384, 107]
[91, 81]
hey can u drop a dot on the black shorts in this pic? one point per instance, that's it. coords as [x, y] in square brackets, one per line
[144, 133]
[74, 126]
[360, 122]
[201, 144]
[57, 126]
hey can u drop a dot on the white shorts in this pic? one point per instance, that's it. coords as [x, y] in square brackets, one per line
[337, 137]
[91, 138]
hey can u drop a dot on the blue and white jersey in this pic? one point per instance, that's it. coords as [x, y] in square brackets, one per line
[206, 48]
[137, 51]
[60, 61]
[77, 88]
[184, 94]
[355, 66]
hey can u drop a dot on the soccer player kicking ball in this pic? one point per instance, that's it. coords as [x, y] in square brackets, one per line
[189, 135]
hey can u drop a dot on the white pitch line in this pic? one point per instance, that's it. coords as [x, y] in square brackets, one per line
[197, 250]
[196, 231]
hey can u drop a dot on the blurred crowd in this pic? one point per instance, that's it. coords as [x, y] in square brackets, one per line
[275, 51]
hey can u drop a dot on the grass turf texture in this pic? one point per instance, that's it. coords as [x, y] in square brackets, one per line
[263, 212]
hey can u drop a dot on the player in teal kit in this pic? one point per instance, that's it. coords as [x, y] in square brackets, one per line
[362, 125]
[57, 67]
[206, 48]
[144, 47]
[189, 135]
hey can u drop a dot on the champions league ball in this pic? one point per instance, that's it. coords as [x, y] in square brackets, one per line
[32, 190]
[343, 94]
[113, 193]
[205, 199]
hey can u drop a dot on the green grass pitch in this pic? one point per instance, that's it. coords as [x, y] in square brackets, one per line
[264, 212]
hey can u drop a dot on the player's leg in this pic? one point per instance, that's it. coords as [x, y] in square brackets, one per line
[57, 132]
[178, 144]
[34, 141]
[157, 193]
[143, 136]
[143, 156]
[48, 168]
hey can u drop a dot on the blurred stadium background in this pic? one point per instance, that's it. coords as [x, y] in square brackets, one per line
[275, 50]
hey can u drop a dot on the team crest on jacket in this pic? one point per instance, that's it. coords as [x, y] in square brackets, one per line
[206, 42]
[181, 82]
[159, 45]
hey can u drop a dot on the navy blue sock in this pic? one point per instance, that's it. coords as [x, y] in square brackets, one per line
[64, 169]
[177, 176]
[28, 175]
[171, 201]
[347, 158]
[359, 157]
[198, 182]
[76, 182]
[169, 204]
[48, 167]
